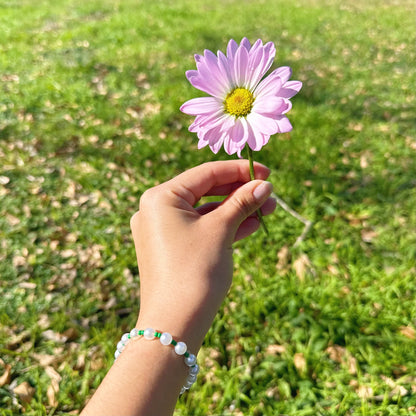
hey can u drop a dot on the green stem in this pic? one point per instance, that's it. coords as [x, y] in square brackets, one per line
[252, 177]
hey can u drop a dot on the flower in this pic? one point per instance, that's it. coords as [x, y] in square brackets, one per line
[242, 108]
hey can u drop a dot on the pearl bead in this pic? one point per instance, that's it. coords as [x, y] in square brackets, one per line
[121, 346]
[125, 337]
[149, 333]
[116, 354]
[183, 390]
[194, 369]
[188, 384]
[165, 338]
[180, 348]
[191, 378]
[134, 333]
[190, 360]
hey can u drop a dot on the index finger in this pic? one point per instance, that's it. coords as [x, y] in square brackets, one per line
[214, 178]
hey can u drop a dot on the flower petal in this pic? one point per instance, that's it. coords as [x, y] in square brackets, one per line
[209, 77]
[263, 124]
[231, 48]
[240, 65]
[206, 122]
[255, 138]
[269, 85]
[236, 137]
[284, 73]
[215, 147]
[220, 76]
[202, 143]
[245, 43]
[290, 88]
[201, 105]
[283, 124]
[213, 137]
[269, 105]
[261, 59]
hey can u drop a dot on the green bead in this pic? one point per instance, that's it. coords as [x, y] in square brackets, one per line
[173, 342]
[141, 332]
[158, 334]
[186, 354]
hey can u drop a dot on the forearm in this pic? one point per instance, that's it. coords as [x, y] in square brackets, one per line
[147, 376]
[145, 380]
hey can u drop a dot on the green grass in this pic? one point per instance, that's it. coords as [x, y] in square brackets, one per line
[89, 119]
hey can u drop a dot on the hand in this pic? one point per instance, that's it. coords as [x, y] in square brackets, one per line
[184, 253]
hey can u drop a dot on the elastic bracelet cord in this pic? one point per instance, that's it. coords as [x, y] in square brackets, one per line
[165, 339]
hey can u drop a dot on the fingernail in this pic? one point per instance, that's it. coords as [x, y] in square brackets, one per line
[262, 191]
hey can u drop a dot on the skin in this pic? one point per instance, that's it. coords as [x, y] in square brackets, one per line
[185, 261]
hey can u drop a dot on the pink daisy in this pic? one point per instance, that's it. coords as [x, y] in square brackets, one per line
[242, 108]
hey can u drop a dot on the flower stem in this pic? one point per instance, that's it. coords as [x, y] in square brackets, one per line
[252, 177]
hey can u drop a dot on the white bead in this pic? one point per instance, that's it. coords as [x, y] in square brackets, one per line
[188, 384]
[125, 337]
[194, 369]
[116, 354]
[134, 333]
[191, 378]
[183, 390]
[165, 338]
[190, 360]
[149, 333]
[180, 348]
[121, 346]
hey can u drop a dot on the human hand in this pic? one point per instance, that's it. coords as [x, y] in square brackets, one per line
[184, 253]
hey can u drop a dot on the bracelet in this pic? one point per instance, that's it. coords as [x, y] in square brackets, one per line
[165, 339]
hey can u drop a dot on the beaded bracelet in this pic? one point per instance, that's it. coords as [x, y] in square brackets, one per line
[165, 339]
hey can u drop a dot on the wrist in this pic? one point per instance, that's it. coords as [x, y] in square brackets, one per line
[189, 325]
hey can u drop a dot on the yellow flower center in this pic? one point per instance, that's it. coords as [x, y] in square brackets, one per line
[239, 102]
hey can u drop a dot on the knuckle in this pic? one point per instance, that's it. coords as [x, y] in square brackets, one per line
[148, 198]
[134, 220]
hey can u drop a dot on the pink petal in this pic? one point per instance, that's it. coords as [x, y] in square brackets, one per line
[284, 73]
[255, 138]
[215, 139]
[288, 106]
[269, 105]
[231, 48]
[255, 67]
[265, 125]
[201, 105]
[290, 88]
[205, 85]
[209, 76]
[224, 67]
[236, 138]
[245, 43]
[240, 67]
[220, 76]
[215, 147]
[283, 124]
[205, 81]
[206, 122]
[269, 86]
[202, 143]
[191, 73]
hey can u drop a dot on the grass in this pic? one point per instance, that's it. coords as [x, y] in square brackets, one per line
[89, 119]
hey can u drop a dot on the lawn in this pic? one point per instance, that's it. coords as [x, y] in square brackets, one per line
[89, 119]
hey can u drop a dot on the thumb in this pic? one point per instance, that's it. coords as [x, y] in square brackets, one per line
[243, 202]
